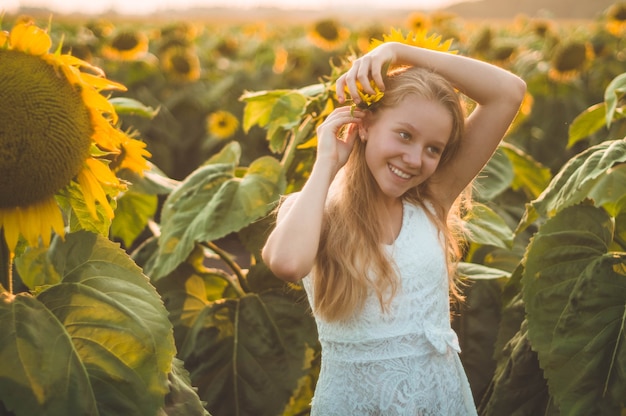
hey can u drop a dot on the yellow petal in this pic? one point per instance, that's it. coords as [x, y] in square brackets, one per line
[95, 100]
[29, 224]
[92, 191]
[69, 60]
[29, 38]
[100, 83]
[9, 223]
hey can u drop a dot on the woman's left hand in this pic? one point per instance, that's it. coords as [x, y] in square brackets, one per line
[368, 67]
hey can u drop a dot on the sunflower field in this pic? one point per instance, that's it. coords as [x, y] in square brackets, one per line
[140, 163]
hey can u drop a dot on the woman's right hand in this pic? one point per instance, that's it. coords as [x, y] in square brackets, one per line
[336, 135]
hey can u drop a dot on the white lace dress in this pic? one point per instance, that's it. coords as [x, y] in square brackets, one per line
[404, 362]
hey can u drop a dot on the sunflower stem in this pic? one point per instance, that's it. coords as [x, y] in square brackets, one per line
[296, 138]
[231, 264]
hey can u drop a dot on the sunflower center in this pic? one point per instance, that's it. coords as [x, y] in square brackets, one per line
[327, 29]
[125, 41]
[181, 64]
[570, 58]
[45, 130]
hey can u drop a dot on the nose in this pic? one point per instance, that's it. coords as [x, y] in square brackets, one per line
[412, 157]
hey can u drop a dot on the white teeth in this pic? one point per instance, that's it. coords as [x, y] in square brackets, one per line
[399, 173]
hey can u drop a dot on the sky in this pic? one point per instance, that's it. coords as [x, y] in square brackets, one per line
[149, 6]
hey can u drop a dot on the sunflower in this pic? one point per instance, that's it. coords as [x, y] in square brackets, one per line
[616, 19]
[181, 64]
[57, 133]
[569, 60]
[127, 45]
[222, 124]
[328, 34]
[418, 21]
[416, 38]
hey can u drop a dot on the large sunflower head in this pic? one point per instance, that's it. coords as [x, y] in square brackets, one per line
[56, 131]
[180, 64]
[418, 38]
[569, 60]
[328, 34]
[127, 45]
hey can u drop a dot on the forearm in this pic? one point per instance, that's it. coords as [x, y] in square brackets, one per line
[480, 81]
[292, 246]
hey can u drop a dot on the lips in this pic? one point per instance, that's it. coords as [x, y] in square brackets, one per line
[399, 173]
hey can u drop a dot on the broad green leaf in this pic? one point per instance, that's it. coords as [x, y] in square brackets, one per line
[610, 189]
[518, 386]
[575, 180]
[586, 123]
[484, 226]
[240, 352]
[80, 217]
[575, 297]
[495, 177]
[529, 174]
[41, 371]
[614, 92]
[278, 111]
[182, 399]
[36, 269]
[230, 154]
[105, 326]
[480, 272]
[262, 107]
[132, 215]
[212, 203]
[125, 105]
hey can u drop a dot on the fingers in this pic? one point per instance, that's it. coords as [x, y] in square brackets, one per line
[359, 75]
[338, 119]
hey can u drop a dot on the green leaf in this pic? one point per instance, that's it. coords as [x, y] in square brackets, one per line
[125, 105]
[229, 154]
[518, 386]
[241, 352]
[41, 371]
[529, 174]
[495, 177]
[575, 180]
[575, 297]
[80, 217]
[481, 272]
[610, 189]
[182, 399]
[484, 226]
[586, 123]
[278, 111]
[212, 203]
[36, 269]
[132, 215]
[99, 342]
[614, 92]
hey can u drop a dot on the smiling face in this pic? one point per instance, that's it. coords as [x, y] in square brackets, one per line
[405, 143]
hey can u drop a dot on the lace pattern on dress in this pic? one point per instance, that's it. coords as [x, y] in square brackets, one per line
[405, 361]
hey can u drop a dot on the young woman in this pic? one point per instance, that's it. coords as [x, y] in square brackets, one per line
[372, 230]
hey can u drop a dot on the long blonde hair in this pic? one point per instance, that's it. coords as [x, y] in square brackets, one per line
[350, 257]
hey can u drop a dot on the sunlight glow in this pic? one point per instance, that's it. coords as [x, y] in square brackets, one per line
[150, 6]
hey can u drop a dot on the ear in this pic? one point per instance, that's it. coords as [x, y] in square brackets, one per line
[363, 132]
